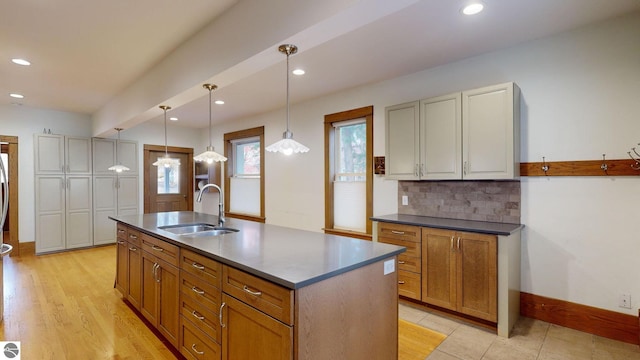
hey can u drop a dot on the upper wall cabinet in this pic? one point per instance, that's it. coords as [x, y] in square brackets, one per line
[403, 141]
[104, 155]
[470, 135]
[58, 154]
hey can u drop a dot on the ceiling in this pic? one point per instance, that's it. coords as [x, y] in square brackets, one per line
[84, 53]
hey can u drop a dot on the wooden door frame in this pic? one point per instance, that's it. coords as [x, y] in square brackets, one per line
[13, 193]
[147, 176]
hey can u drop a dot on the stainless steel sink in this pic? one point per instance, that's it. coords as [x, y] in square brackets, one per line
[197, 230]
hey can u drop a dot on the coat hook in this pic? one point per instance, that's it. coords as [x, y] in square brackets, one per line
[604, 166]
[545, 167]
[635, 166]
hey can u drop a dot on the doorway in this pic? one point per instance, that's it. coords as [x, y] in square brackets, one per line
[168, 189]
[9, 150]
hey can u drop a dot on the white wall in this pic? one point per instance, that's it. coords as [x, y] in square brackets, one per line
[23, 122]
[579, 100]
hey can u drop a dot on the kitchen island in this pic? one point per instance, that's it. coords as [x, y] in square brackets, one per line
[264, 291]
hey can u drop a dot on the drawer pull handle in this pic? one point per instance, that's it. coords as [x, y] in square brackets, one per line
[220, 315]
[133, 249]
[197, 291]
[256, 293]
[397, 232]
[452, 249]
[197, 316]
[120, 231]
[459, 244]
[120, 242]
[193, 347]
[198, 266]
[401, 282]
[400, 262]
[157, 248]
[133, 236]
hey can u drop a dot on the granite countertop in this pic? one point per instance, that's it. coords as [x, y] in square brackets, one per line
[289, 257]
[483, 227]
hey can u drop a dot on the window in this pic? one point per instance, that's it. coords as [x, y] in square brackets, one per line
[244, 183]
[168, 180]
[349, 175]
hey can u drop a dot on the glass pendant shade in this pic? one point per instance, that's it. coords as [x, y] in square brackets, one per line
[287, 145]
[118, 167]
[209, 156]
[166, 161]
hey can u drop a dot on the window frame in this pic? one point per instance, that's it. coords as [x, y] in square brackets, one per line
[229, 139]
[329, 165]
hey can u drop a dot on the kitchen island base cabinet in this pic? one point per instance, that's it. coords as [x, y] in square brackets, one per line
[160, 296]
[251, 334]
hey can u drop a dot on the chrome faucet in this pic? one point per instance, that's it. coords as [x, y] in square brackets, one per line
[221, 219]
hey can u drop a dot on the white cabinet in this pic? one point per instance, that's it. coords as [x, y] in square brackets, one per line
[469, 135]
[63, 192]
[59, 154]
[491, 132]
[403, 141]
[104, 155]
[113, 193]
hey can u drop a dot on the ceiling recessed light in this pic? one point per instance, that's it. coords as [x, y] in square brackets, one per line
[173, 118]
[298, 72]
[22, 62]
[219, 102]
[472, 9]
[17, 96]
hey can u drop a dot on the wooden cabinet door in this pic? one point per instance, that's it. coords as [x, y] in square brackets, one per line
[477, 275]
[490, 121]
[439, 268]
[122, 270]
[403, 141]
[169, 301]
[150, 302]
[251, 334]
[441, 137]
[134, 265]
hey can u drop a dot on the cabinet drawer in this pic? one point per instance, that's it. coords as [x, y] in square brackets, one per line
[200, 291]
[197, 345]
[398, 232]
[414, 249]
[121, 232]
[409, 284]
[204, 318]
[133, 236]
[263, 295]
[202, 267]
[410, 263]
[162, 249]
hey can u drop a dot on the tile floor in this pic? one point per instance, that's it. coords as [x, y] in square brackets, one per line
[531, 339]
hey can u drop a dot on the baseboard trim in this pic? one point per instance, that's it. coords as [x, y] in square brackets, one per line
[28, 248]
[605, 323]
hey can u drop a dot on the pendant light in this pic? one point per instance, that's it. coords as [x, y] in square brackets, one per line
[209, 156]
[287, 145]
[118, 167]
[166, 161]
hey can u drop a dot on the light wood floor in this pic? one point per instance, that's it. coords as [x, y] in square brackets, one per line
[64, 306]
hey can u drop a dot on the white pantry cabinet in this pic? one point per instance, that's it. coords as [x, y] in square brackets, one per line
[469, 135]
[113, 193]
[63, 192]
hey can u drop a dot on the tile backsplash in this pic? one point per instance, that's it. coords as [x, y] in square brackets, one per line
[495, 201]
